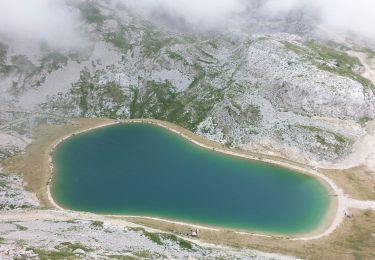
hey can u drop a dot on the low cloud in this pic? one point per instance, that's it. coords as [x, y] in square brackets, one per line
[58, 23]
[36, 21]
[197, 15]
[340, 16]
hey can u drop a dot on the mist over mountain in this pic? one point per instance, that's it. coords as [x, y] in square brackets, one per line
[58, 22]
[53, 22]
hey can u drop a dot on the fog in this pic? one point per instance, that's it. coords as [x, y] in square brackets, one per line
[58, 24]
[338, 16]
[36, 21]
[196, 15]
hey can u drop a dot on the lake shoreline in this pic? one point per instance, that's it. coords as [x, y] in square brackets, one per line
[331, 221]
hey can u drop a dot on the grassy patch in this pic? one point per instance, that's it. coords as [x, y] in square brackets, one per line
[175, 56]
[154, 102]
[322, 137]
[68, 246]
[118, 40]
[330, 59]
[91, 13]
[122, 257]
[21, 228]
[97, 99]
[158, 238]
[52, 255]
[144, 254]
[55, 60]
[154, 237]
[3, 184]
[337, 62]
[153, 41]
[113, 91]
[364, 120]
[97, 224]
[294, 47]
[327, 53]
[3, 53]
[81, 91]
[252, 113]
[184, 244]
[213, 44]
[370, 53]
[206, 54]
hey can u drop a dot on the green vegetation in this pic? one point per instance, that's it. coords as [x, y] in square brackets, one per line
[213, 44]
[294, 47]
[70, 247]
[343, 63]
[52, 255]
[184, 244]
[154, 101]
[81, 91]
[250, 114]
[3, 184]
[55, 60]
[153, 41]
[154, 237]
[98, 224]
[119, 40]
[158, 238]
[144, 254]
[370, 53]
[362, 239]
[101, 100]
[205, 53]
[91, 13]
[21, 228]
[23, 63]
[113, 91]
[3, 53]
[161, 101]
[330, 59]
[176, 57]
[342, 59]
[324, 137]
[364, 120]
[122, 257]
[4, 69]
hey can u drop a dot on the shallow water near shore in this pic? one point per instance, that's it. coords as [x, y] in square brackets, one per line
[143, 169]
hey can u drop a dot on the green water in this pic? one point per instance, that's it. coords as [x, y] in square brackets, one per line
[141, 169]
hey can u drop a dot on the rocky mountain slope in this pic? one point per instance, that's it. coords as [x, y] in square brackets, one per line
[274, 86]
[57, 236]
[278, 91]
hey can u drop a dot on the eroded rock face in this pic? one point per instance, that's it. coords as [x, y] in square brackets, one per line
[239, 88]
[292, 83]
[13, 195]
[81, 239]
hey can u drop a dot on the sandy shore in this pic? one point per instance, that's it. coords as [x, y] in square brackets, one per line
[334, 216]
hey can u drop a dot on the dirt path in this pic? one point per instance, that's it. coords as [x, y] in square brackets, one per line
[363, 153]
[369, 65]
[364, 148]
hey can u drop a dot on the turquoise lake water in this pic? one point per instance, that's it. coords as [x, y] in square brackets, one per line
[142, 169]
